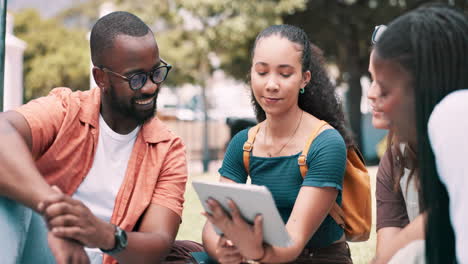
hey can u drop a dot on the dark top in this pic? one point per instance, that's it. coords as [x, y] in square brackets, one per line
[391, 207]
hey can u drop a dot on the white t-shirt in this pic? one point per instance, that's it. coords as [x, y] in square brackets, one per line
[448, 134]
[409, 190]
[100, 187]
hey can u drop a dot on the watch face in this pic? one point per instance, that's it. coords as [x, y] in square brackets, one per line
[123, 242]
[122, 238]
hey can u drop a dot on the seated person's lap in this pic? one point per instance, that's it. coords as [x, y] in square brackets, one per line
[25, 233]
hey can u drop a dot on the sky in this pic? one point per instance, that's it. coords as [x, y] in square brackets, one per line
[51, 8]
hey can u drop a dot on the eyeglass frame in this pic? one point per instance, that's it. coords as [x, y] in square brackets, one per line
[375, 35]
[128, 79]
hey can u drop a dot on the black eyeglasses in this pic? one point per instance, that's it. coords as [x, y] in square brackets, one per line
[138, 80]
[378, 31]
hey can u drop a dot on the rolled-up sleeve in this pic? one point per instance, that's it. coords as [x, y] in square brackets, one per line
[170, 188]
[45, 116]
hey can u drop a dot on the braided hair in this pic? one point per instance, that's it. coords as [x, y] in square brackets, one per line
[431, 44]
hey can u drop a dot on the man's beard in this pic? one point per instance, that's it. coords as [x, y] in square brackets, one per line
[128, 108]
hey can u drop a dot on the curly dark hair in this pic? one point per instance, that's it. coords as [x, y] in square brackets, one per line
[319, 98]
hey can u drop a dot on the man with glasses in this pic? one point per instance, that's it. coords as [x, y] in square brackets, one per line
[98, 167]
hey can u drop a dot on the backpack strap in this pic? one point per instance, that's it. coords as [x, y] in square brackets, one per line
[336, 212]
[302, 159]
[248, 146]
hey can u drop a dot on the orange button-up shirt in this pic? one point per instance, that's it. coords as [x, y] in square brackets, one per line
[65, 129]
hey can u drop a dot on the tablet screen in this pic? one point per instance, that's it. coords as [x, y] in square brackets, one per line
[251, 200]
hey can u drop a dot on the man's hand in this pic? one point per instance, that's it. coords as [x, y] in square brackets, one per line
[67, 251]
[71, 219]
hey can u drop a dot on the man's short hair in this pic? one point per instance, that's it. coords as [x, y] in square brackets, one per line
[108, 27]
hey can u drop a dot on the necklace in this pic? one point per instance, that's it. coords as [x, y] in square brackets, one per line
[285, 144]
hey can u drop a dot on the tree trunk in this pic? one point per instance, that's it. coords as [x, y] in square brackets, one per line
[206, 146]
[353, 97]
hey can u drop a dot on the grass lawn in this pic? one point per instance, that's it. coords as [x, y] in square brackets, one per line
[192, 220]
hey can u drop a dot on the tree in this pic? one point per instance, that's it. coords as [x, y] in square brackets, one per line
[55, 55]
[190, 33]
[342, 28]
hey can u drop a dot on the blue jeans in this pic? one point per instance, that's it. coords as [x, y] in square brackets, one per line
[23, 239]
[23, 235]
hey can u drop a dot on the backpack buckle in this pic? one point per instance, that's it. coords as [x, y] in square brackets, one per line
[302, 160]
[247, 146]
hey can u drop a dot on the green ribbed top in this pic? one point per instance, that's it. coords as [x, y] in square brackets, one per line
[281, 175]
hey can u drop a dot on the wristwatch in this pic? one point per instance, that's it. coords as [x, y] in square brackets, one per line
[121, 242]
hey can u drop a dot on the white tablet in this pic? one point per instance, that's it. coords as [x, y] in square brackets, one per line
[251, 200]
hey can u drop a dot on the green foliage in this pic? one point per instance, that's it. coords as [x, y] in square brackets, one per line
[189, 31]
[342, 28]
[55, 56]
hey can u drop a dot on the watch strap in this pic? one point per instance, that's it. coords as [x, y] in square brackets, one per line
[120, 241]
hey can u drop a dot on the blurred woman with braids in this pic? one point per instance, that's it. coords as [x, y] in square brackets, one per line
[421, 65]
[397, 185]
[291, 94]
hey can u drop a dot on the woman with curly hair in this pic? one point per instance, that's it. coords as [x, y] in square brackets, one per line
[291, 95]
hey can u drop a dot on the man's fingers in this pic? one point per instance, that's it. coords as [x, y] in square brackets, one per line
[56, 198]
[50, 200]
[63, 221]
[85, 259]
[68, 232]
[77, 258]
[81, 258]
[57, 209]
